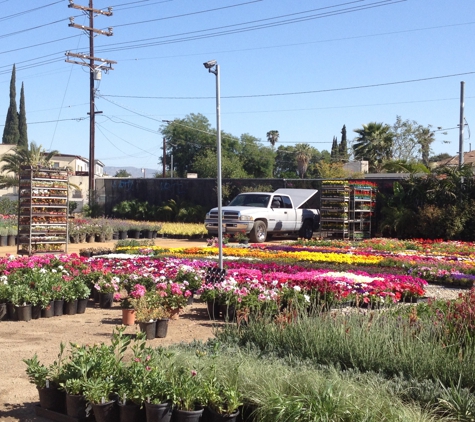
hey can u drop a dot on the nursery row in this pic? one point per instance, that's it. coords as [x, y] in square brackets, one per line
[152, 285]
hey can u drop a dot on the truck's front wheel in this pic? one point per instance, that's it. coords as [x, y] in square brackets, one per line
[258, 233]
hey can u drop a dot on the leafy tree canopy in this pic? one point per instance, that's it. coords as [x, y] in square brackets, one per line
[122, 173]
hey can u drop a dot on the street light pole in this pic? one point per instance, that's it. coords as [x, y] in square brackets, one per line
[213, 67]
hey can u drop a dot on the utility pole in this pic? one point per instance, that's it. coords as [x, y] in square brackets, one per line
[462, 101]
[164, 157]
[94, 74]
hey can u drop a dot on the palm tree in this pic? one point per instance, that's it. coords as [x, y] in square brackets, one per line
[273, 137]
[35, 155]
[303, 155]
[373, 144]
[425, 138]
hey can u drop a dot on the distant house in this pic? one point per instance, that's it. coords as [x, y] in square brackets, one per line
[79, 178]
[468, 159]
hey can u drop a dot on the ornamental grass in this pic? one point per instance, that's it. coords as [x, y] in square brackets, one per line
[387, 342]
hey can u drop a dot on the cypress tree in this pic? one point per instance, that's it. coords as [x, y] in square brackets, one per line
[11, 133]
[343, 148]
[334, 152]
[23, 129]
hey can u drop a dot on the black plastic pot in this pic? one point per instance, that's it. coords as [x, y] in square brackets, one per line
[161, 328]
[158, 412]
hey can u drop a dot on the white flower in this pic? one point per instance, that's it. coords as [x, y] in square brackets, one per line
[307, 298]
[297, 288]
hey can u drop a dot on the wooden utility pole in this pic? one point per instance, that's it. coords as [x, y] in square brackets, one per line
[96, 65]
[164, 157]
[462, 102]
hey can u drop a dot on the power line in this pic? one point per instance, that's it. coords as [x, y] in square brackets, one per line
[15, 15]
[133, 45]
[303, 43]
[296, 92]
[188, 14]
[119, 6]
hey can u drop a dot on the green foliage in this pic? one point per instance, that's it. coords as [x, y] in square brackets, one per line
[93, 209]
[436, 206]
[122, 173]
[72, 206]
[22, 127]
[416, 348]
[11, 132]
[373, 144]
[8, 206]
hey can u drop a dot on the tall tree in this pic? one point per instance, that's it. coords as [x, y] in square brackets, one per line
[257, 160]
[11, 133]
[186, 139]
[335, 151]
[285, 164]
[273, 137]
[343, 147]
[205, 165]
[303, 156]
[23, 129]
[374, 144]
[425, 137]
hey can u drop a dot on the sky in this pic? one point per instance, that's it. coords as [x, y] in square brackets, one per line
[302, 67]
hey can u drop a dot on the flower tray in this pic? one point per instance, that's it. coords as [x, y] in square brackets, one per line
[59, 417]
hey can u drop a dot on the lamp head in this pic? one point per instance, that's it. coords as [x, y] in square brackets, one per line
[210, 64]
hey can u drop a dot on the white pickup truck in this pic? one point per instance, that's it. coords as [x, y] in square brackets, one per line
[263, 214]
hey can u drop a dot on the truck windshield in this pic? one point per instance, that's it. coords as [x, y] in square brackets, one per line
[248, 200]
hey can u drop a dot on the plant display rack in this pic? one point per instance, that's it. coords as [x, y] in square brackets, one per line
[362, 201]
[334, 210]
[346, 209]
[43, 211]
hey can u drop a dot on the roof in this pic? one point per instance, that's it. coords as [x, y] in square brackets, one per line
[468, 158]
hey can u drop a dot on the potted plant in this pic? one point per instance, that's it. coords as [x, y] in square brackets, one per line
[76, 402]
[189, 276]
[174, 297]
[163, 316]
[47, 380]
[107, 285]
[128, 303]
[187, 395]
[97, 392]
[222, 402]
[146, 315]
[158, 403]
[82, 292]
[241, 237]
[20, 302]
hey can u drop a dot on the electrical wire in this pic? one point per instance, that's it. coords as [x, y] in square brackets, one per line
[234, 31]
[189, 14]
[15, 15]
[281, 94]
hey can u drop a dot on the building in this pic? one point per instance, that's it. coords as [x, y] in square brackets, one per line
[468, 159]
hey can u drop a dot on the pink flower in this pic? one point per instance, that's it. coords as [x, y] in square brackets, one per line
[194, 373]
